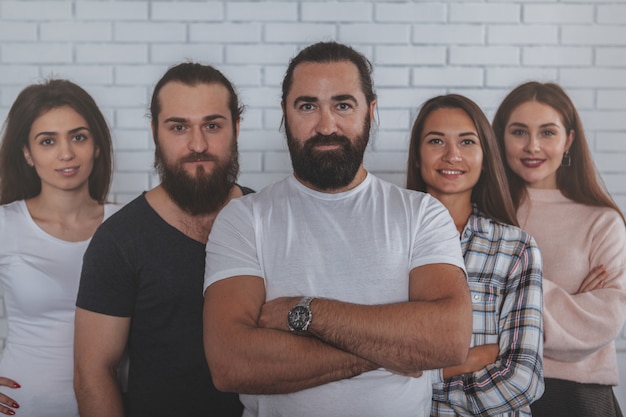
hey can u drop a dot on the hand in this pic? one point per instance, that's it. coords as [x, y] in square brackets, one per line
[6, 402]
[477, 358]
[594, 280]
[274, 313]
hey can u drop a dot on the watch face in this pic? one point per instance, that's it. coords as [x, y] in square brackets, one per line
[299, 318]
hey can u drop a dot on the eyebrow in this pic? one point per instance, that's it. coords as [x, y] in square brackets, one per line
[311, 99]
[208, 118]
[72, 131]
[434, 132]
[550, 124]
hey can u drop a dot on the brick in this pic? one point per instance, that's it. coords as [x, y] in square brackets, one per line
[484, 55]
[611, 142]
[119, 96]
[615, 184]
[124, 182]
[337, 12]
[262, 11]
[240, 76]
[22, 31]
[612, 99]
[604, 120]
[132, 140]
[523, 35]
[138, 74]
[594, 77]
[611, 56]
[133, 161]
[225, 32]
[135, 118]
[391, 76]
[272, 118]
[36, 10]
[111, 53]
[187, 11]
[409, 12]
[557, 14]
[40, 53]
[80, 74]
[484, 13]
[252, 119]
[260, 96]
[112, 11]
[448, 33]
[273, 75]
[511, 77]
[76, 31]
[593, 35]
[391, 140]
[394, 119]
[262, 141]
[447, 76]
[412, 98]
[276, 162]
[610, 162]
[250, 162]
[557, 56]
[150, 32]
[253, 54]
[410, 55]
[372, 33]
[17, 75]
[299, 32]
[387, 161]
[611, 13]
[258, 180]
[174, 53]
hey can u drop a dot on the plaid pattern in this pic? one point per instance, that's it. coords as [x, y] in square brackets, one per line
[504, 276]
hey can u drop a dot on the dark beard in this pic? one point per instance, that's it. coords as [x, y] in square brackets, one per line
[327, 170]
[206, 192]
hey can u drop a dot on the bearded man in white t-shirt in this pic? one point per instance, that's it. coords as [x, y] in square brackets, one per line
[331, 292]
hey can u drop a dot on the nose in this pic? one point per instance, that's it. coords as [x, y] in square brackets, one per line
[452, 154]
[66, 151]
[198, 143]
[532, 145]
[326, 124]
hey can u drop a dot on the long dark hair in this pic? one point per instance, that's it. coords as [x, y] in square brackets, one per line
[491, 192]
[579, 181]
[18, 181]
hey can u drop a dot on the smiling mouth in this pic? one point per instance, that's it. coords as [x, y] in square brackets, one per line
[68, 170]
[531, 163]
[450, 172]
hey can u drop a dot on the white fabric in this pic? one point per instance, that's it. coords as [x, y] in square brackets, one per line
[39, 275]
[358, 246]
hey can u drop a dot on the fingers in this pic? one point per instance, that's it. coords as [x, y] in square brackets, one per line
[5, 401]
[594, 280]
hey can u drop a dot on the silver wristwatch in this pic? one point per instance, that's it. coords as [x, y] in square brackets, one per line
[299, 317]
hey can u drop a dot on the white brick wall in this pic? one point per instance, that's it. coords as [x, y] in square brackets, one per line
[118, 49]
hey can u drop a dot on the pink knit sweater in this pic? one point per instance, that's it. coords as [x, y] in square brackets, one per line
[579, 328]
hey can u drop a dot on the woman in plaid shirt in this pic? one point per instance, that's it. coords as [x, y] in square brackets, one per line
[454, 156]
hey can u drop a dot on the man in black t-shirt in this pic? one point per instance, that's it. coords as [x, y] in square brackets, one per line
[141, 283]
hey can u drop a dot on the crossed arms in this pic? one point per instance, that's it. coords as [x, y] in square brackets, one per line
[250, 350]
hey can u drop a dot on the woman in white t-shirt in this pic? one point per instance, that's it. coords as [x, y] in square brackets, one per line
[55, 171]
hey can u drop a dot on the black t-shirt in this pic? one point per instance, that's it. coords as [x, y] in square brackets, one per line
[139, 266]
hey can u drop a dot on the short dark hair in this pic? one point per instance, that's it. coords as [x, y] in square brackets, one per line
[193, 73]
[491, 192]
[18, 181]
[326, 52]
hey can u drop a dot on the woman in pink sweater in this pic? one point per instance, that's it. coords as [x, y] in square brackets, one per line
[580, 230]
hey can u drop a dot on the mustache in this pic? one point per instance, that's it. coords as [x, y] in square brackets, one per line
[333, 139]
[197, 157]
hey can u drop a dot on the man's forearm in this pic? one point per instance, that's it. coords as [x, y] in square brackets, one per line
[98, 396]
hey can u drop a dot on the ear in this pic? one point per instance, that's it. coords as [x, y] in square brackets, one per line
[570, 140]
[27, 157]
[372, 108]
[96, 154]
[237, 124]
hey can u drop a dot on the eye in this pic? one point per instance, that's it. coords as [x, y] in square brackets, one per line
[177, 128]
[212, 126]
[344, 106]
[549, 133]
[79, 138]
[46, 141]
[434, 141]
[307, 107]
[518, 132]
[468, 142]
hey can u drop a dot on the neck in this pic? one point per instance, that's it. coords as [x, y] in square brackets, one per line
[61, 204]
[460, 208]
[197, 226]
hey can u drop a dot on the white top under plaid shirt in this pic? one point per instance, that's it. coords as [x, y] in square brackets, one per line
[504, 276]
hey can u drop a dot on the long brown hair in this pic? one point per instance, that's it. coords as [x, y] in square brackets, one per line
[491, 192]
[18, 181]
[579, 181]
